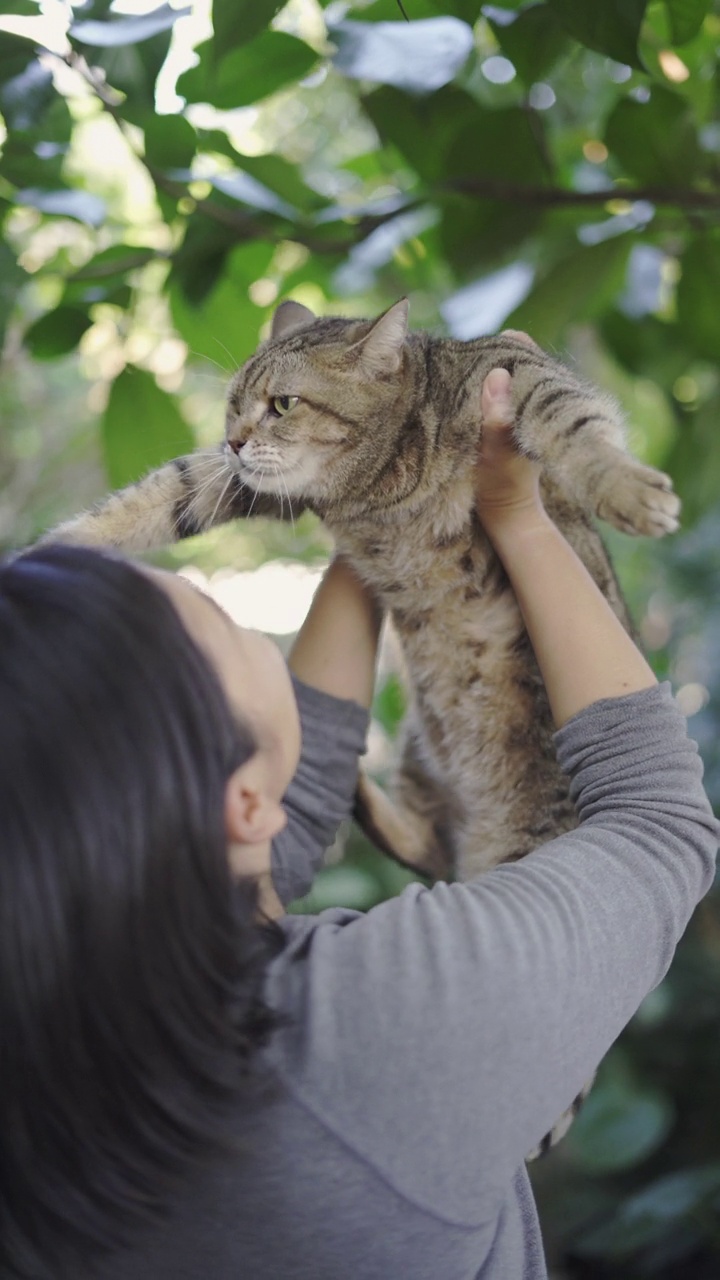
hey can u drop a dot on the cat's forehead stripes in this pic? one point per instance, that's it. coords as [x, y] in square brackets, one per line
[264, 364]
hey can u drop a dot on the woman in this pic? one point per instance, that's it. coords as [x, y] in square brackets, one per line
[192, 1085]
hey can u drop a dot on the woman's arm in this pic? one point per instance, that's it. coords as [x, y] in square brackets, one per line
[582, 649]
[333, 665]
[336, 647]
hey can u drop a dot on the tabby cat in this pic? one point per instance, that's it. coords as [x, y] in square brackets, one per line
[376, 430]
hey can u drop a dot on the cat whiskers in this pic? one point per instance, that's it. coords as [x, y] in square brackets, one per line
[198, 493]
[223, 491]
[227, 353]
[201, 355]
[219, 468]
[283, 482]
[252, 504]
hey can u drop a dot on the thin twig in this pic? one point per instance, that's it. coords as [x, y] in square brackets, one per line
[517, 193]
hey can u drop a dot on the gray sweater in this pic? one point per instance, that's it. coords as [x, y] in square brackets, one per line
[433, 1041]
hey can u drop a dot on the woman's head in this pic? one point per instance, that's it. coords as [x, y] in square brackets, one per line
[130, 961]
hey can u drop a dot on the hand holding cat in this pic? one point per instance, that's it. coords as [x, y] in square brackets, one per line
[506, 483]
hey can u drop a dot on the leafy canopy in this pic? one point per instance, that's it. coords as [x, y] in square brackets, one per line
[433, 157]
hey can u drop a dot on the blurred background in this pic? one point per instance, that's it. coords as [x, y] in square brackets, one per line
[167, 173]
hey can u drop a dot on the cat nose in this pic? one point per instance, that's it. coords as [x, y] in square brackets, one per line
[236, 445]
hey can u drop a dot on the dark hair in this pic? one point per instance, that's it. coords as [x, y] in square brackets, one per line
[131, 961]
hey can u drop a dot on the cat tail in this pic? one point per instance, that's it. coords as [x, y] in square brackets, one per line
[398, 831]
[180, 499]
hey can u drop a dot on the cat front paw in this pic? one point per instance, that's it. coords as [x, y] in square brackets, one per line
[638, 500]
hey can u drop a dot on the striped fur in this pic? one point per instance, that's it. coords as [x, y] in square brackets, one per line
[185, 497]
[382, 445]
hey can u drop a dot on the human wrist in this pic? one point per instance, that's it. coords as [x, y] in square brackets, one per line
[510, 524]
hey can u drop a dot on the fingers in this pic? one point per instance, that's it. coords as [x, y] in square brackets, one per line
[521, 337]
[497, 409]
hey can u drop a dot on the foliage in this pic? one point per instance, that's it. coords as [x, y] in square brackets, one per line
[548, 164]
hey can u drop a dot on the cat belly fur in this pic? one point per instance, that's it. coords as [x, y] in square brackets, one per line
[482, 726]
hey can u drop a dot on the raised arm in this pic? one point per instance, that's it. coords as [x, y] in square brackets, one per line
[333, 665]
[583, 651]
[336, 648]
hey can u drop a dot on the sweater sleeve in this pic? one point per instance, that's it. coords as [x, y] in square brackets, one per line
[321, 793]
[443, 1034]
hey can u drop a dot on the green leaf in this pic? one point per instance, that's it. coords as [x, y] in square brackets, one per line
[25, 97]
[481, 233]
[227, 320]
[533, 40]
[14, 52]
[577, 287]
[418, 57]
[651, 349]
[248, 74]
[388, 10]
[655, 141]
[282, 177]
[618, 1127]
[93, 8]
[113, 262]
[134, 69]
[103, 278]
[126, 30]
[142, 427]
[697, 296]
[20, 8]
[503, 145]
[271, 170]
[56, 333]
[450, 136]
[686, 18]
[170, 142]
[240, 186]
[200, 260]
[694, 464]
[24, 165]
[420, 128]
[236, 22]
[608, 26]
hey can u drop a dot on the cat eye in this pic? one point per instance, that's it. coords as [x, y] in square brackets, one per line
[283, 404]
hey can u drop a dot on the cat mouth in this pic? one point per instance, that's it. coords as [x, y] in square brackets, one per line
[254, 473]
[268, 477]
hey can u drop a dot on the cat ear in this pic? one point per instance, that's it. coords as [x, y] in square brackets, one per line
[288, 316]
[380, 352]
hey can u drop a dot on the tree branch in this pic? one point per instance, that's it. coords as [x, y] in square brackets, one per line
[244, 223]
[518, 193]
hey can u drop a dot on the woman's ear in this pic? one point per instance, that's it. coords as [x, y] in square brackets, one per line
[252, 816]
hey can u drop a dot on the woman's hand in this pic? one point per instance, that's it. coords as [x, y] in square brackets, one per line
[506, 483]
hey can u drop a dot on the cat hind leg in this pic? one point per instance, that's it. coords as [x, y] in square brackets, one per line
[561, 1126]
[403, 831]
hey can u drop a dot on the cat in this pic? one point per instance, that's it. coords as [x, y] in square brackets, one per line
[376, 430]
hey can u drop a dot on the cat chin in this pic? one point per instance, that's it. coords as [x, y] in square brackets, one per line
[292, 483]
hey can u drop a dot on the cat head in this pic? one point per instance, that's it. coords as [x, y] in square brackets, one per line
[317, 407]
